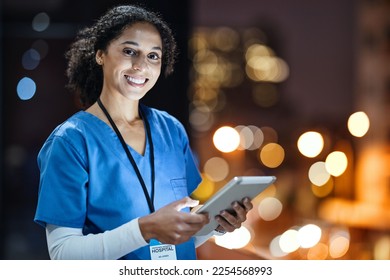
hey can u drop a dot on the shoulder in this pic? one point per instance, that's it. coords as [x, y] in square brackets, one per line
[70, 133]
[162, 118]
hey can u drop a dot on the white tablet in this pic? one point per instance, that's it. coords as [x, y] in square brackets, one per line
[235, 190]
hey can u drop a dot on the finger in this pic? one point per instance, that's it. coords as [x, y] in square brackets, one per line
[240, 212]
[231, 219]
[247, 204]
[185, 202]
[225, 225]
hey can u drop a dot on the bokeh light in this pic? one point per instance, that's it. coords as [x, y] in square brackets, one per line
[323, 190]
[318, 174]
[30, 59]
[358, 124]
[310, 144]
[226, 139]
[272, 155]
[336, 163]
[318, 252]
[309, 235]
[274, 248]
[234, 240]
[216, 169]
[41, 22]
[270, 208]
[26, 88]
[288, 241]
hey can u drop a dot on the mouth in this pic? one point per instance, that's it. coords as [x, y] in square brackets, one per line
[137, 82]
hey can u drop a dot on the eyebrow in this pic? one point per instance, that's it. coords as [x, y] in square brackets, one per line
[136, 44]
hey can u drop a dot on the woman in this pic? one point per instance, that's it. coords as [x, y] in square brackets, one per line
[115, 179]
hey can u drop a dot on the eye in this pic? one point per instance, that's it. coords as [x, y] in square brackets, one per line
[130, 52]
[154, 56]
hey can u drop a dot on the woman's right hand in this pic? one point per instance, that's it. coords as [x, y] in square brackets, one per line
[170, 226]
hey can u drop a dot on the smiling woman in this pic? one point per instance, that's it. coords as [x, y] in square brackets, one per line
[116, 178]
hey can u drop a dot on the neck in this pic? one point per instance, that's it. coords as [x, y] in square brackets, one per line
[121, 108]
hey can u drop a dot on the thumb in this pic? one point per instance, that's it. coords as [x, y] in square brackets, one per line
[185, 202]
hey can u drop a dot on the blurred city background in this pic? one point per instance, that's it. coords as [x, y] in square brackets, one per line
[295, 89]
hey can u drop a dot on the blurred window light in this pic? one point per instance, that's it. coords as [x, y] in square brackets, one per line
[358, 124]
[288, 241]
[41, 22]
[270, 208]
[309, 235]
[234, 240]
[310, 144]
[26, 88]
[31, 59]
[318, 175]
[216, 169]
[336, 163]
[272, 155]
[226, 139]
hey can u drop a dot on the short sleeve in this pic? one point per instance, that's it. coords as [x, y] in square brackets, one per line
[63, 184]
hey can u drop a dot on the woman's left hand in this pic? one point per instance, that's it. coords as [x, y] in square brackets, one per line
[230, 220]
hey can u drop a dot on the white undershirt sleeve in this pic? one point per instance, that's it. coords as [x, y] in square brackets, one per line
[65, 243]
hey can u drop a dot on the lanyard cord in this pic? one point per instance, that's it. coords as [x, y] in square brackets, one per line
[149, 198]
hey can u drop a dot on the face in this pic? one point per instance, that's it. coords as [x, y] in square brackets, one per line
[132, 62]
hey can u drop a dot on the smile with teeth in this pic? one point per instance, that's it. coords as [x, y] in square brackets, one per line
[138, 81]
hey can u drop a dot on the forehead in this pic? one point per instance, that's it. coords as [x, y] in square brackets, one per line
[141, 32]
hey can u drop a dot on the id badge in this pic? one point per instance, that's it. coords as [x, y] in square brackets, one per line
[159, 251]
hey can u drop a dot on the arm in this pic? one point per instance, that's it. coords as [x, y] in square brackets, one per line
[70, 243]
[167, 225]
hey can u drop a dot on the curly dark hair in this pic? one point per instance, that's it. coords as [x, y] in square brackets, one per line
[84, 74]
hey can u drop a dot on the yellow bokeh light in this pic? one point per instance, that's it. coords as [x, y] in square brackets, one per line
[336, 163]
[226, 139]
[358, 124]
[216, 169]
[318, 175]
[310, 144]
[272, 155]
[205, 189]
[324, 190]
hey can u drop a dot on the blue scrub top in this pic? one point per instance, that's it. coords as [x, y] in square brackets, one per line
[87, 181]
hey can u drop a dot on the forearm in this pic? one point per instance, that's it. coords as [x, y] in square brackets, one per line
[70, 243]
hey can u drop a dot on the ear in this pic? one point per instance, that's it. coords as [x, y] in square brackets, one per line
[99, 57]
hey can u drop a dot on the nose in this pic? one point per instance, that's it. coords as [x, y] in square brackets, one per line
[139, 63]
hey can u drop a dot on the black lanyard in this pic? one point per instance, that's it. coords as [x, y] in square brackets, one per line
[149, 198]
